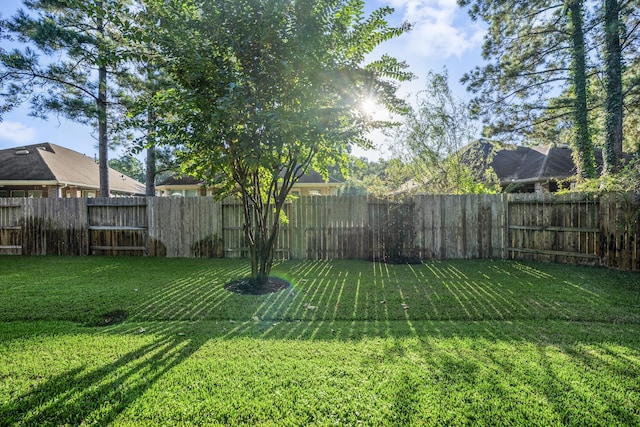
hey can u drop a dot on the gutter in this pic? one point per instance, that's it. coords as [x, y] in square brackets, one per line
[27, 183]
[531, 180]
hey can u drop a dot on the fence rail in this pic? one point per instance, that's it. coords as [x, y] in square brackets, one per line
[602, 230]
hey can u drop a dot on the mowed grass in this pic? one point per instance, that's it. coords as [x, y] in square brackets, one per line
[148, 341]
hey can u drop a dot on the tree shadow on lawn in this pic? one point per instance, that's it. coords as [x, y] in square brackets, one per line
[317, 312]
[88, 395]
[422, 353]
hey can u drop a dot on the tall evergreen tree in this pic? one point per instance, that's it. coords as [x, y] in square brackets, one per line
[614, 109]
[583, 143]
[7, 100]
[78, 44]
[536, 48]
[137, 92]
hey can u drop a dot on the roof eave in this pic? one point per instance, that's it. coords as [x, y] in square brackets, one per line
[317, 184]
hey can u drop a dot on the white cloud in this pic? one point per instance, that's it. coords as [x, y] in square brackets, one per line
[16, 132]
[441, 29]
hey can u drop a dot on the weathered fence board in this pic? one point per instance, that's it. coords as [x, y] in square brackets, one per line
[554, 228]
[185, 227]
[10, 228]
[620, 231]
[54, 226]
[329, 227]
[601, 230]
[117, 226]
[576, 228]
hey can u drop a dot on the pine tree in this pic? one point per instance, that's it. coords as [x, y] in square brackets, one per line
[78, 44]
[536, 48]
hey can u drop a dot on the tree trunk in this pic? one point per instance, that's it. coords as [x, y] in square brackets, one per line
[269, 246]
[614, 101]
[261, 233]
[150, 172]
[582, 136]
[265, 240]
[103, 143]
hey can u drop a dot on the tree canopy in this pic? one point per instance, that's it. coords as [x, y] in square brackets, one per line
[436, 142]
[266, 90]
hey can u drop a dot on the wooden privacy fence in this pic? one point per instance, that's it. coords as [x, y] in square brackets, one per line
[577, 228]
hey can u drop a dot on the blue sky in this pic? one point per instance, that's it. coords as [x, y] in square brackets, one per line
[442, 36]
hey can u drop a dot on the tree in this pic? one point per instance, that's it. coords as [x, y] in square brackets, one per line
[81, 43]
[267, 89]
[382, 178]
[582, 136]
[538, 47]
[614, 99]
[130, 166]
[137, 93]
[436, 139]
[7, 100]
[621, 22]
[610, 30]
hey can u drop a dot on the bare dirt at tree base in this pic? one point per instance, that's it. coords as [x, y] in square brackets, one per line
[248, 286]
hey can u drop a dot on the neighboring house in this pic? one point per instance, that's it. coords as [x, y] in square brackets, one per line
[535, 169]
[310, 184]
[186, 186]
[49, 170]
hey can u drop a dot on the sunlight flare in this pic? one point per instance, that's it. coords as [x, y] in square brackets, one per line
[371, 108]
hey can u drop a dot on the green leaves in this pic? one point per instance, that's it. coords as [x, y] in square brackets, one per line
[437, 142]
[275, 75]
[70, 30]
[267, 89]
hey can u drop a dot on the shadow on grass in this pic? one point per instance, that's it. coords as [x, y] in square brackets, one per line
[408, 310]
[87, 395]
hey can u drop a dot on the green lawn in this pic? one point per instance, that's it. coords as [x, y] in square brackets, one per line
[152, 341]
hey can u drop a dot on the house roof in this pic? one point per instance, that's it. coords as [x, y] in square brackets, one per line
[313, 177]
[180, 180]
[531, 164]
[52, 164]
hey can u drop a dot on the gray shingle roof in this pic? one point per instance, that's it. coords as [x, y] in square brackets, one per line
[181, 180]
[536, 163]
[52, 163]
